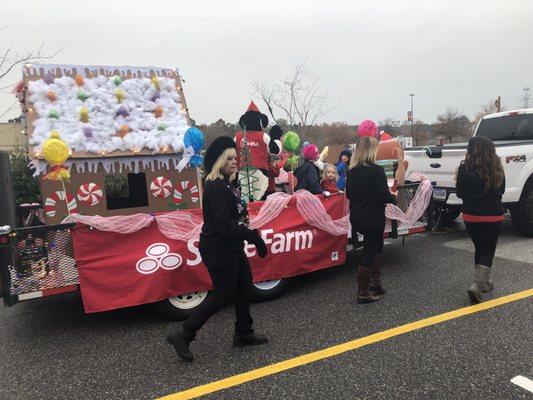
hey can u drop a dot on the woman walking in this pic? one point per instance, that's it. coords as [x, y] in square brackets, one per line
[480, 183]
[368, 192]
[222, 249]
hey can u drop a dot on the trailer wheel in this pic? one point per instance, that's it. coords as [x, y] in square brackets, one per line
[180, 307]
[522, 214]
[448, 214]
[268, 290]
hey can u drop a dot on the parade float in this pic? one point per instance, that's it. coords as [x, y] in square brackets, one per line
[117, 160]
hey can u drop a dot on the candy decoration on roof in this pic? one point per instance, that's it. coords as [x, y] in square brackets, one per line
[79, 80]
[161, 187]
[161, 127]
[117, 80]
[124, 130]
[158, 111]
[155, 82]
[90, 194]
[81, 95]
[87, 131]
[156, 95]
[53, 113]
[48, 78]
[51, 95]
[84, 114]
[122, 111]
[119, 94]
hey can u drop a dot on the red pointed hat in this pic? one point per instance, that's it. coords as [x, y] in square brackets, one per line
[252, 107]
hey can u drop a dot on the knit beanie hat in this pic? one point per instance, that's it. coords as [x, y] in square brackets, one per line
[311, 152]
[367, 128]
[215, 150]
[346, 153]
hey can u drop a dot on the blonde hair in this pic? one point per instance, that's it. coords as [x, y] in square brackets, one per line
[365, 152]
[219, 164]
[334, 168]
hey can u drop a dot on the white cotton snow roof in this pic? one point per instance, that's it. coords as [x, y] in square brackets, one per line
[103, 132]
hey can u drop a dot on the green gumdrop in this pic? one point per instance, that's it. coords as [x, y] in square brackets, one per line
[161, 127]
[291, 141]
[117, 80]
[82, 95]
[53, 113]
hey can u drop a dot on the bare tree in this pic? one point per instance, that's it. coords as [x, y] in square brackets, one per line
[452, 124]
[10, 59]
[391, 126]
[294, 102]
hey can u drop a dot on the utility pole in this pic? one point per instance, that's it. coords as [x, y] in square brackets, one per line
[525, 98]
[498, 103]
[412, 116]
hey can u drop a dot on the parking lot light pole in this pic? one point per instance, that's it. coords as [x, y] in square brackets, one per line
[412, 117]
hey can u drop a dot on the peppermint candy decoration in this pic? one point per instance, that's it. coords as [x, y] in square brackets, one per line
[90, 194]
[161, 187]
[186, 186]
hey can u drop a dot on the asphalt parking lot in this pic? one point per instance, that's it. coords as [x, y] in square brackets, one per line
[50, 349]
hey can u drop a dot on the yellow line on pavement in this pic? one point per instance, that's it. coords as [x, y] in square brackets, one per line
[341, 348]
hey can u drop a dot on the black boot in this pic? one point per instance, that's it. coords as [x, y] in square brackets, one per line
[363, 278]
[181, 339]
[250, 339]
[375, 276]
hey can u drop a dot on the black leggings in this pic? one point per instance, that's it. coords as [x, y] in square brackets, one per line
[372, 240]
[484, 235]
[232, 278]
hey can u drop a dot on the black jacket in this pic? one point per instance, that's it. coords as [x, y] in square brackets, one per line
[223, 231]
[308, 176]
[476, 199]
[368, 192]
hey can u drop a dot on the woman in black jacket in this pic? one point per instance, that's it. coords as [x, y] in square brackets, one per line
[480, 183]
[222, 249]
[368, 192]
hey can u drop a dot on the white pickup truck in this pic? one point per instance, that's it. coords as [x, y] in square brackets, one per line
[512, 133]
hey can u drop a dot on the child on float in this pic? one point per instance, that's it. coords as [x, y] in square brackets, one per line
[330, 179]
[308, 174]
[342, 167]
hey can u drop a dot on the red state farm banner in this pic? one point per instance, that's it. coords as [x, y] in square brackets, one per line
[122, 270]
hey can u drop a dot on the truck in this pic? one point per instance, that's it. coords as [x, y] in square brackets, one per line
[512, 134]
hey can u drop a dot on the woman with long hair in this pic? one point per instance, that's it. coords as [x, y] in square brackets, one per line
[221, 246]
[368, 192]
[480, 182]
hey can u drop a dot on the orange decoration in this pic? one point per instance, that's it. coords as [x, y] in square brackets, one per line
[79, 80]
[124, 130]
[158, 111]
[50, 95]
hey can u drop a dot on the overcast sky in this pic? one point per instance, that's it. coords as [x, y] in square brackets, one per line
[369, 55]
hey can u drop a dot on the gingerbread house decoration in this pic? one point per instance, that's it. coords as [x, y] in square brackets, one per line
[125, 128]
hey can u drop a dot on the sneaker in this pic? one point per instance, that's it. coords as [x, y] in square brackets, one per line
[250, 339]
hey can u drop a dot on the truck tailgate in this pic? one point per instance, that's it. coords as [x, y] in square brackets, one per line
[439, 163]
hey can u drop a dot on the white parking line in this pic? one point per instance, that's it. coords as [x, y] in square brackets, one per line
[523, 382]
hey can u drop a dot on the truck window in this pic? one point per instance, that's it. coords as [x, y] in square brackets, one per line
[510, 127]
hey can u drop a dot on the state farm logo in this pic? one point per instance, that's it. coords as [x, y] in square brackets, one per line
[158, 256]
[250, 143]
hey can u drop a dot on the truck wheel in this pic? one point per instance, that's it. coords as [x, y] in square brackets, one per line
[522, 214]
[180, 307]
[268, 290]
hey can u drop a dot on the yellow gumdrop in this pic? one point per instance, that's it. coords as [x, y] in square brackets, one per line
[119, 94]
[84, 114]
[55, 150]
[155, 82]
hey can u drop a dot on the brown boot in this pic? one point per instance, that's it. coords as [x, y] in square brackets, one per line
[375, 276]
[363, 278]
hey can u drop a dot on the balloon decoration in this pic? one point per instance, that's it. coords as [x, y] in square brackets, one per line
[117, 80]
[53, 113]
[124, 130]
[81, 95]
[158, 111]
[51, 95]
[79, 80]
[84, 114]
[194, 139]
[119, 94]
[368, 128]
[55, 151]
[291, 144]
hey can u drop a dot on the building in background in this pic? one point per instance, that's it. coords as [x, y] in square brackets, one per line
[12, 135]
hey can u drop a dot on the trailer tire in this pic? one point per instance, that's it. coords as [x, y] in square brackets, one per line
[178, 308]
[522, 214]
[268, 290]
[449, 214]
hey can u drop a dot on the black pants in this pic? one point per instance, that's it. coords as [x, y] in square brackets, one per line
[484, 235]
[232, 279]
[372, 241]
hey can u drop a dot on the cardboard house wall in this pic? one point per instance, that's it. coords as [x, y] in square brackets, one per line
[166, 188]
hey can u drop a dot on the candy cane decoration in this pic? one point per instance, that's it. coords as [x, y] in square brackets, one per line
[181, 187]
[161, 187]
[90, 194]
[50, 203]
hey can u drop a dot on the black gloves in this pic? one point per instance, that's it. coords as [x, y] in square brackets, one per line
[254, 238]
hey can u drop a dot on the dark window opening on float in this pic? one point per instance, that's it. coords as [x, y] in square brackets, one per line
[125, 190]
